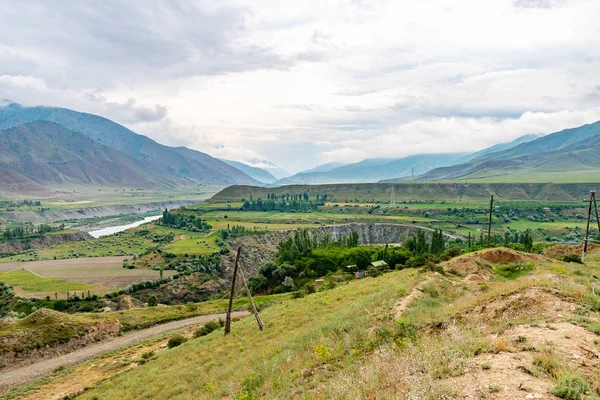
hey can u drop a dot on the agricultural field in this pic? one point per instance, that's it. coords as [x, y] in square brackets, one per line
[57, 277]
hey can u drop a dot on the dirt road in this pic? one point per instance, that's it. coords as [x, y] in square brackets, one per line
[20, 376]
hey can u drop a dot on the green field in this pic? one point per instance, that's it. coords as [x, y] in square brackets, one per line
[28, 284]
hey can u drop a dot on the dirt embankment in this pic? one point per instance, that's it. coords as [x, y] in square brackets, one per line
[91, 212]
[43, 242]
[478, 266]
[50, 333]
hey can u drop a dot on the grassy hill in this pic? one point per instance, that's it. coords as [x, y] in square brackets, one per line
[493, 324]
[467, 192]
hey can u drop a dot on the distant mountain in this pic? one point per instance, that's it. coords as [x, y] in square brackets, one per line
[325, 167]
[374, 169]
[274, 169]
[571, 155]
[259, 174]
[498, 147]
[158, 164]
[50, 154]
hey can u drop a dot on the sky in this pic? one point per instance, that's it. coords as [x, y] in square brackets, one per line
[299, 84]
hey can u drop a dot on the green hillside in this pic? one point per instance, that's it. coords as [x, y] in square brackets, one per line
[466, 192]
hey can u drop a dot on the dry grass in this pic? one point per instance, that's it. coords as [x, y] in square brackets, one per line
[352, 343]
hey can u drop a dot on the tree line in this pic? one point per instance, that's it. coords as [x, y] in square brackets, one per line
[28, 231]
[187, 222]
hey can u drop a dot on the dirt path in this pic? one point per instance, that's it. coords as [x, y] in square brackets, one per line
[20, 376]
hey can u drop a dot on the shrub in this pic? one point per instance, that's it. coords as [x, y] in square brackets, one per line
[175, 341]
[310, 288]
[451, 253]
[152, 301]
[207, 328]
[572, 258]
[514, 271]
[148, 355]
[571, 387]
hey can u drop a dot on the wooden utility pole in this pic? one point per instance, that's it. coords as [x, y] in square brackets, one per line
[490, 221]
[587, 228]
[235, 270]
[261, 326]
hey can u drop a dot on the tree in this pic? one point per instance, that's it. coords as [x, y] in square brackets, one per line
[152, 301]
[422, 245]
[438, 245]
[528, 242]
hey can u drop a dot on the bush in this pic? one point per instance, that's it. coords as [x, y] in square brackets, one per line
[572, 258]
[207, 328]
[152, 301]
[310, 288]
[514, 271]
[451, 253]
[175, 341]
[571, 387]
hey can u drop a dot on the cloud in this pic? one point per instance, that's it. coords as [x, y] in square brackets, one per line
[310, 82]
[538, 3]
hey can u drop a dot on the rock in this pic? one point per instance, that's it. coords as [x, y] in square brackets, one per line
[575, 356]
[534, 396]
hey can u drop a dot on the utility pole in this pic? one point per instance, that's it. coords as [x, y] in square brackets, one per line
[393, 198]
[413, 172]
[235, 270]
[490, 221]
[587, 229]
[261, 326]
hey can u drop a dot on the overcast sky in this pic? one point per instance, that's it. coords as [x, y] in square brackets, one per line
[303, 83]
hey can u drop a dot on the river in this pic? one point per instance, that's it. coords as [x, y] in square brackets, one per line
[114, 229]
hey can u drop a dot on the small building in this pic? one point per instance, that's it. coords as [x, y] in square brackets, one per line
[351, 268]
[319, 281]
[546, 209]
[379, 264]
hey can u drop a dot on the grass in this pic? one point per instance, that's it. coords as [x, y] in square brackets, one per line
[572, 386]
[514, 270]
[29, 284]
[332, 319]
[345, 343]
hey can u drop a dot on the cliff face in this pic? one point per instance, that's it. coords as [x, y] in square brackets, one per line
[91, 212]
[257, 249]
[40, 243]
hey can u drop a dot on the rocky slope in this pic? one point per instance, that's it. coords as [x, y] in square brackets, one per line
[91, 212]
[43, 242]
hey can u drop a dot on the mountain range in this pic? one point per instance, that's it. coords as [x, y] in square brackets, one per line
[43, 149]
[372, 169]
[49, 146]
[571, 155]
[259, 174]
